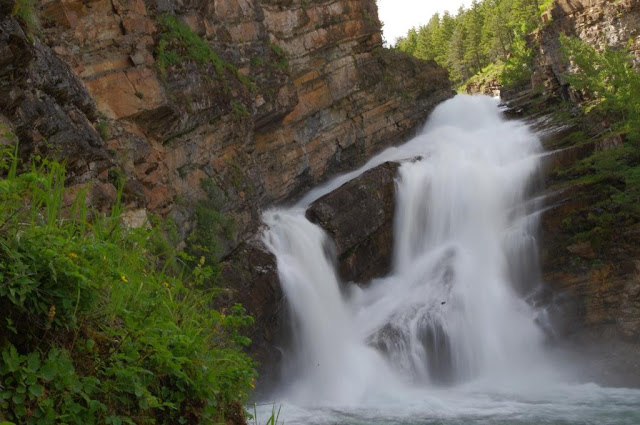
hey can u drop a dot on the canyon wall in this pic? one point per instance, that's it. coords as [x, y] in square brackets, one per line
[589, 243]
[600, 23]
[259, 100]
[603, 276]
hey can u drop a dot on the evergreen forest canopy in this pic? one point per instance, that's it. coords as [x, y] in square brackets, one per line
[489, 32]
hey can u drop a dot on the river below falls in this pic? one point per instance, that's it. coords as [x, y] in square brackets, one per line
[586, 404]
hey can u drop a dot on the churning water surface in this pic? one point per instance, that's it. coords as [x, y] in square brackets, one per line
[452, 335]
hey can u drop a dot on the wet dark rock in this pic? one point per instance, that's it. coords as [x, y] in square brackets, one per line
[358, 216]
[251, 275]
[49, 108]
[395, 341]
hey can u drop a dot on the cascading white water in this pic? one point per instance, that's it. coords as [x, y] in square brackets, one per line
[459, 217]
[453, 309]
[330, 362]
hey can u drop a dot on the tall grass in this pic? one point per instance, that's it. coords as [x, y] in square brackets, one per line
[273, 419]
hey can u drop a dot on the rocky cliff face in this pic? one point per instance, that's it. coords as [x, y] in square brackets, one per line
[589, 248]
[590, 261]
[259, 99]
[602, 276]
[212, 107]
[600, 23]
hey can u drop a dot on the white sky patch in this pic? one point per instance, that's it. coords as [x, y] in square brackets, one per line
[399, 16]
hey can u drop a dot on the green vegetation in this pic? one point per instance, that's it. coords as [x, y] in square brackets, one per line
[617, 168]
[612, 89]
[609, 82]
[25, 11]
[613, 176]
[274, 59]
[105, 324]
[486, 76]
[213, 227]
[545, 5]
[256, 61]
[273, 419]
[276, 49]
[239, 110]
[282, 61]
[178, 43]
[103, 129]
[490, 31]
[518, 67]
[7, 137]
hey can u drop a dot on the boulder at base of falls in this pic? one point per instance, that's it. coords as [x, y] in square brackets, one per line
[358, 216]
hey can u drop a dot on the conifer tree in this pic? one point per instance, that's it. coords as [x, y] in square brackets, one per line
[489, 31]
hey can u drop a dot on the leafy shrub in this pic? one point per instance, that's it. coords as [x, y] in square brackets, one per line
[103, 130]
[488, 75]
[213, 227]
[608, 79]
[545, 5]
[277, 49]
[518, 67]
[97, 326]
[239, 109]
[617, 171]
[178, 43]
[39, 389]
[611, 89]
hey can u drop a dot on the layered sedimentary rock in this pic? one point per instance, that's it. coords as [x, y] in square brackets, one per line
[45, 103]
[288, 94]
[591, 268]
[600, 23]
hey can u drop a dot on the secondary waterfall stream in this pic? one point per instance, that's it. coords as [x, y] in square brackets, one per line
[452, 326]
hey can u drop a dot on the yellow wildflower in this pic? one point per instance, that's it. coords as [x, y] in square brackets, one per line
[52, 313]
[166, 284]
[73, 255]
[123, 278]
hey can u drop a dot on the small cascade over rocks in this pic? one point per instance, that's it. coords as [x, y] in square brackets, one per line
[453, 310]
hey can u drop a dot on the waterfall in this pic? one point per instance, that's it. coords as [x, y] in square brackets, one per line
[454, 308]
